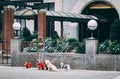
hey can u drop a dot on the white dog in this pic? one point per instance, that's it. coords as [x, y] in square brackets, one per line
[65, 66]
[50, 66]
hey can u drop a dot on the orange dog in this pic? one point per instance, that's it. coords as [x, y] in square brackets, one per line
[27, 64]
[40, 65]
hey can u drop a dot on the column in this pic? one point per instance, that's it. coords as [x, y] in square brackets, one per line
[15, 50]
[91, 49]
[42, 24]
[8, 33]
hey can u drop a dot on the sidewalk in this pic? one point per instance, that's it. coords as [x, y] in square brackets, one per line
[5, 60]
[7, 72]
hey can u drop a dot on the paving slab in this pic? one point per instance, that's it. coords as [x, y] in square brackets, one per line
[8, 72]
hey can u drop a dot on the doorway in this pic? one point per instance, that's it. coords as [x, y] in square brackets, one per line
[106, 13]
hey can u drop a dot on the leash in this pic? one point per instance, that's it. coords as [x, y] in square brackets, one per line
[34, 56]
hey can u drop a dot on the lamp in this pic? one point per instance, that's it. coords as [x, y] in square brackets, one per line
[92, 25]
[16, 27]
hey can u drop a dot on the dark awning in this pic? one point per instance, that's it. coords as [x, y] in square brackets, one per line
[57, 16]
[67, 16]
[25, 14]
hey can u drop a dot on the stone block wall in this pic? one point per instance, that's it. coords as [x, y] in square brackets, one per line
[117, 61]
[27, 57]
[77, 61]
[107, 62]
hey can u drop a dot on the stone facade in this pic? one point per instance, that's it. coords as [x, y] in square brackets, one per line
[15, 49]
[89, 61]
[76, 61]
[77, 6]
[83, 3]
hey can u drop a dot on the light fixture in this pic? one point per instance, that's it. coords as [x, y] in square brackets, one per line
[92, 25]
[16, 27]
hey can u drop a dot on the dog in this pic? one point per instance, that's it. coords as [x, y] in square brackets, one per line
[50, 66]
[40, 65]
[65, 66]
[27, 64]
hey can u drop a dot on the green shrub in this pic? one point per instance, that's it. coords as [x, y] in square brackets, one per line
[76, 46]
[56, 45]
[115, 31]
[35, 45]
[109, 47]
[25, 34]
[72, 43]
[80, 48]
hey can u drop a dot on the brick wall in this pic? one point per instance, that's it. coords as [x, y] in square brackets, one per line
[8, 33]
[0, 46]
[42, 25]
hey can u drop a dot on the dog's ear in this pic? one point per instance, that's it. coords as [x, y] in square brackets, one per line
[46, 62]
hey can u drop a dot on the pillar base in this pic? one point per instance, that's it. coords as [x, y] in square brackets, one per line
[91, 50]
[15, 50]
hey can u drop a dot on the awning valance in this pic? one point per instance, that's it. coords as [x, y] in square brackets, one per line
[29, 14]
[68, 14]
